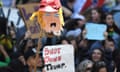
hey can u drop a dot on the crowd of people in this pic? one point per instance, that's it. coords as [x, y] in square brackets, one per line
[19, 54]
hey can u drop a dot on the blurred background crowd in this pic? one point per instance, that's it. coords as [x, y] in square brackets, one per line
[17, 52]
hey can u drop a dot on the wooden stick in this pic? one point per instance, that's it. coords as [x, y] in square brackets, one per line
[38, 50]
[37, 54]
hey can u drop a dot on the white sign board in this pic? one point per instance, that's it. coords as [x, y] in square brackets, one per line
[59, 58]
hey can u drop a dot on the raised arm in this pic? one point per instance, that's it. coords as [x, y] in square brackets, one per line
[7, 58]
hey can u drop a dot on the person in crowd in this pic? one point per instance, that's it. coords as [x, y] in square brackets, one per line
[12, 31]
[99, 66]
[83, 49]
[97, 54]
[49, 40]
[71, 24]
[96, 15]
[7, 43]
[112, 29]
[109, 47]
[81, 20]
[85, 66]
[25, 43]
[116, 59]
[109, 44]
[16, 65]
[12, 36]
[71, 28]
[31, 61]
[71, 40]
[5, 39]
[64, 40]
[6, 57]
[68, 9]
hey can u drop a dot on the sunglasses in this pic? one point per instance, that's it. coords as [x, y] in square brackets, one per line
[100, 63]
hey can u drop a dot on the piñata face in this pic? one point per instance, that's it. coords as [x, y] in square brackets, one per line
[51, 21]
[50, 16]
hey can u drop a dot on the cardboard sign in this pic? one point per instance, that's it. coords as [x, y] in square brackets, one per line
[95, 31]
[26, 11]
[59, 58]
[13, 15]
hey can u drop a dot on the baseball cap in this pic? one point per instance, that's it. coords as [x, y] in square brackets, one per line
[74, 33]
[30, 52]
[77, 16]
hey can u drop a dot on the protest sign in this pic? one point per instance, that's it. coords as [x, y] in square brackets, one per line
[95, 31]
[13, 15]
[59, 58]
[26, 11]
